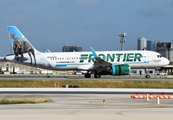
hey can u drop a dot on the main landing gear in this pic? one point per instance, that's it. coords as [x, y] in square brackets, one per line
[87, 75]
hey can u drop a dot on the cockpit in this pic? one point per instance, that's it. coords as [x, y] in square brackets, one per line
[159, 56]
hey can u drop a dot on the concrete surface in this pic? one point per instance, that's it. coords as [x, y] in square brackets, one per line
[86, 107]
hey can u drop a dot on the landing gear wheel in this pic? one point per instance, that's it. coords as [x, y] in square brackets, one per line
[87, 75]
[147, 76]
[97, 76]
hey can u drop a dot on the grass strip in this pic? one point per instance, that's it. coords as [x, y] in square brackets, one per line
[87, 84]
[24, 101]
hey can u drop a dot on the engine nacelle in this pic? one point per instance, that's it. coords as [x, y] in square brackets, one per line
[123, 69]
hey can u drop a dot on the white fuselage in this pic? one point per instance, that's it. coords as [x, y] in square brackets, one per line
[85, 60]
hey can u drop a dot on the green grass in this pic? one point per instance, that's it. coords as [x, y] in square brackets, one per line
[24, 101]
[86, 84]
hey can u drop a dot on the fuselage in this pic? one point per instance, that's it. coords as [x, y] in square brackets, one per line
[85, 60]
[136, 59]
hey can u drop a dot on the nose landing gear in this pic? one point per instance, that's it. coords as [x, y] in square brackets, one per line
[147, 76]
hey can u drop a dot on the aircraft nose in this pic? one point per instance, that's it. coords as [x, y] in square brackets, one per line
[167, 61]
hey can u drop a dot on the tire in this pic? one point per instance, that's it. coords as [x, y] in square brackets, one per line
[147, 76]
[87, 75]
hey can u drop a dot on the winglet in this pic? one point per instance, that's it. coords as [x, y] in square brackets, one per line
[48, 51]
[94, 53]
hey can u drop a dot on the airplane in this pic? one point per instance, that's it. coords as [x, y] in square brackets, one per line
[99, 63]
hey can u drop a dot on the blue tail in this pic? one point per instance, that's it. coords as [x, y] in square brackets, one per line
[20, 44]
[16, 35]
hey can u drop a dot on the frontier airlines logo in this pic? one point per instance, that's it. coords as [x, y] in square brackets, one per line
[126, 57]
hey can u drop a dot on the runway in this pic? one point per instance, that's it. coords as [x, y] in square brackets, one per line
[86, 107]
[82, 79]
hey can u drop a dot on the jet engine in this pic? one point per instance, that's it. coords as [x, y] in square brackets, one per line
[115, 70]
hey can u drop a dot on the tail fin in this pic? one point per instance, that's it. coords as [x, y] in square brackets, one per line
[21, 45]
[17, 37]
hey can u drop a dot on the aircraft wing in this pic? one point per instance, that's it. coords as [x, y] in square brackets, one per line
[99, 63]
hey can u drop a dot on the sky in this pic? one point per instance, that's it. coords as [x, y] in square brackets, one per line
[51, 24]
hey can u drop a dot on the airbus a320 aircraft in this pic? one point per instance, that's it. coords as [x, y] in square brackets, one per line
[113, 63]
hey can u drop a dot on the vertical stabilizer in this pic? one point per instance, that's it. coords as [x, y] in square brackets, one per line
[15, 34]
[20, 44]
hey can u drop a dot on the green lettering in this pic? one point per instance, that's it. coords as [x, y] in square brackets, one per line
[102, 55]
[124, 58]
[138, 56]
[118, 57]
[83, 57]
[91, 58]
[110, 57]
[129, 57]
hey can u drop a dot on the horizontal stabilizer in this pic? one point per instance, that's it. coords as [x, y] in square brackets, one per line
[21, 58]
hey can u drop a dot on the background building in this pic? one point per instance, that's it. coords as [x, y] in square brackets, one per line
[164, 49]
[71, 49]
[142, 43]
[152, 45]
[145, 44]
[171, 55]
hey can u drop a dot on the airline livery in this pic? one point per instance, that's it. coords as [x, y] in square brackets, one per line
[99, 63]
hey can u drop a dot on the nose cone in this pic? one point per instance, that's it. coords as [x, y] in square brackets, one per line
[166, 61]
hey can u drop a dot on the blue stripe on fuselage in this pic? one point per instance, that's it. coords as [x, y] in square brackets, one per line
[136, 62]
[64, 65]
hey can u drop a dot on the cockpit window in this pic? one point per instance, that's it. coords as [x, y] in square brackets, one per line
[159, 56]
